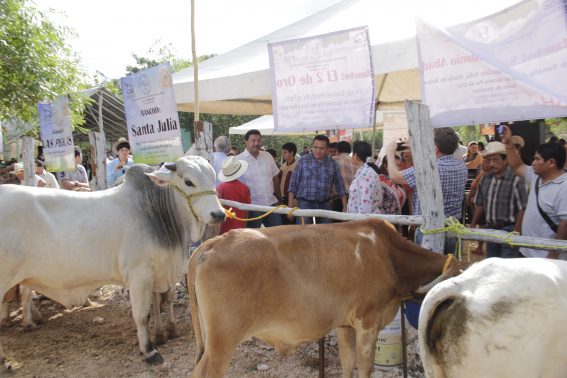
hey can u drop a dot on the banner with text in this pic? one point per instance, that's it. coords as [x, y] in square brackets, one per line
[57, 135]
[323, 82]
[151, 115]
[505, 67]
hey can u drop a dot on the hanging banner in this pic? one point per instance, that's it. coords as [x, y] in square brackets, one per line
[56, 135]
[151, 116]
[505, 67]
[324, 82]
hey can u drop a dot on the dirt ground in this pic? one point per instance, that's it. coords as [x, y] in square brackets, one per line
[100, 341]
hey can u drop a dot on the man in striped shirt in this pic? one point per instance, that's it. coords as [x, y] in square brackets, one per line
[502, 197]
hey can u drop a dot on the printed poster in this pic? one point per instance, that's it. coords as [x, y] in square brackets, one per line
[324, 82]
[505, 67]
[151, 116]
[57, 135]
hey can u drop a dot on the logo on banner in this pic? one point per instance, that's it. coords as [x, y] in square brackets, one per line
[145, 85]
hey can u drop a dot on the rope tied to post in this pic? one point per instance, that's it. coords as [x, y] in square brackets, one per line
[454, 226]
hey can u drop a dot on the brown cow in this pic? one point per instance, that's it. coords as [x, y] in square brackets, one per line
[294, 284]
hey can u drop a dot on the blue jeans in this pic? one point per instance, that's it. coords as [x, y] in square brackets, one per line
[502, 250]
[270, 221]
[450, 244]
[313, 205]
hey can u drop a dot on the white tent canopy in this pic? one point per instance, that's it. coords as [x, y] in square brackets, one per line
[264, 124]
[238, 82]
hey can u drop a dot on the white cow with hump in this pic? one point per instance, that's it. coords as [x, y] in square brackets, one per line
[500, 318]
[65, 244]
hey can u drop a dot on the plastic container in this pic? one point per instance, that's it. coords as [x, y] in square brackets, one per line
[389, 344]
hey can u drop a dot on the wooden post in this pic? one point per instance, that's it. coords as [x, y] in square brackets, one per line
[426, 174]
[98, 141]
[28, 158]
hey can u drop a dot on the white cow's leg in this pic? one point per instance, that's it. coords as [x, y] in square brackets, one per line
[169, 315]
[27, 308]
[159, 334]
[141, 300]
[3, 317]
[347, 350]
[365, 349]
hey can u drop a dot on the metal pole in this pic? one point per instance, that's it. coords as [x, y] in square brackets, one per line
[322, 358]
[404, 341]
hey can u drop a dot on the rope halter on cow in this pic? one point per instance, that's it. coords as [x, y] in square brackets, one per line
[190, 197]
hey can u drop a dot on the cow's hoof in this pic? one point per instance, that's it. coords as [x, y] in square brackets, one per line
[30, 327]
[156, 359]
[159, 339]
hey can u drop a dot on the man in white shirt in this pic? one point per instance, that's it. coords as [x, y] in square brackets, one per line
[48, 177]
[548, 194]
[262, 179]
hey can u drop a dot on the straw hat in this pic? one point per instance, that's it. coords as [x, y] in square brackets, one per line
[232, 168]
[18, 167]
[120, 143]
[516, 139]
[494, 148]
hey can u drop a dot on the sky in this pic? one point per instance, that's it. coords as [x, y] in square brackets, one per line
[110, 31]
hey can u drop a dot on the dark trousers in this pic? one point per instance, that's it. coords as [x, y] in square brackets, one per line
[502, 250]
[270, 221]
[313, 205]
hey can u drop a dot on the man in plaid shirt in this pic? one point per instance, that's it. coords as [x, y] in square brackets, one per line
[452, 172]
[502, 197]
[314, 178]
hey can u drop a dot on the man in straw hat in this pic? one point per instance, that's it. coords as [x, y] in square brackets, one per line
[117, 168]
[18, 171]
[502, 197]
[234, 190]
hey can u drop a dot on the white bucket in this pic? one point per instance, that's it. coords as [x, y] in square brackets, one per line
[389, 344]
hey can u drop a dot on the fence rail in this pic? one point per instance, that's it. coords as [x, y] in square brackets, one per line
[494, 236]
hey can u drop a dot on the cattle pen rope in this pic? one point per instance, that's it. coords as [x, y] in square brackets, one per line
[453, 226]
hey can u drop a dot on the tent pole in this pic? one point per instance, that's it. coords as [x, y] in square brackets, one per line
[195, 63]
[375, 110]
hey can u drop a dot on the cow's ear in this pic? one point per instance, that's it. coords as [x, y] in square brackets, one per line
[161, 177]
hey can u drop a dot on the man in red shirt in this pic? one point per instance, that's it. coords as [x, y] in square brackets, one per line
[234, 190]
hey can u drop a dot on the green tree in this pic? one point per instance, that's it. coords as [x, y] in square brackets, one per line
[36, 64]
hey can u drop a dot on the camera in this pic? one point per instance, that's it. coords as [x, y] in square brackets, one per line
[501, 129]
[401, 146]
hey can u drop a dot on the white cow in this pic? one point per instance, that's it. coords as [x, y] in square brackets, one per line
[66, 244]
[500, 318]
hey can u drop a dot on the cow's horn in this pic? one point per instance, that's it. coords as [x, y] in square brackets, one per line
[171, 167]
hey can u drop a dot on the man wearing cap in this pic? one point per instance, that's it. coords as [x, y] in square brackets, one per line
[546, 212]
[262, 179]
[232, 189]
[77, 179]
[502, 197]
[117, 168]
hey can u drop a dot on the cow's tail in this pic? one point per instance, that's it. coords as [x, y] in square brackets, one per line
[442, 321]
[195, 316]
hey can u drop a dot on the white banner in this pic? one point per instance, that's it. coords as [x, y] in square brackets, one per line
[151, 116]
[505, 67]
[323, 82]
[56, 135]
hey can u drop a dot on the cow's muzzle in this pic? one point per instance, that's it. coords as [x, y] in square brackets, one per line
[218, 216]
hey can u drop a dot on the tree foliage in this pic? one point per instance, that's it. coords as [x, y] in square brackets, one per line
[36, 64]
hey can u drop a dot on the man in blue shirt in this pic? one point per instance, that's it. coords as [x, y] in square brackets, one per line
[313, 180]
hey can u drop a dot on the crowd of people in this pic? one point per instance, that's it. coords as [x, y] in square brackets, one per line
[77, 179]
[490, 181]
